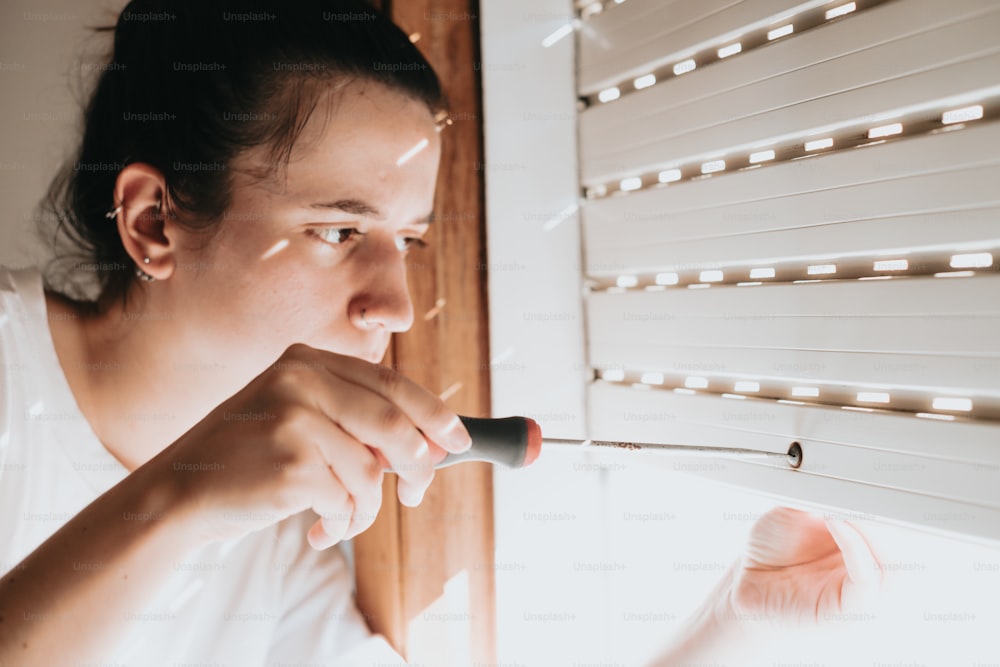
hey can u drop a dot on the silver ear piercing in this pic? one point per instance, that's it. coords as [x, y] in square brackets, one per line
[139, 273]
[142, 274]
[441, 121]
[113, 213]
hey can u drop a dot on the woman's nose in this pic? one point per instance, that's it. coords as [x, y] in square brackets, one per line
[382, 297]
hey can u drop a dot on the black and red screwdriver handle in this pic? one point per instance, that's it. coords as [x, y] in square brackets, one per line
[514, 442]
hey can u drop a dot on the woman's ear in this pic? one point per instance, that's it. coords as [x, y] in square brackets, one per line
[140, 191]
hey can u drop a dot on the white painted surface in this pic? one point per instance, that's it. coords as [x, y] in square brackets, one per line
[924, 334]
[923, 194]
[533, 235]
[651, 33]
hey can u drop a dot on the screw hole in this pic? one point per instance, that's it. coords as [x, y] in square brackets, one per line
[795, 455]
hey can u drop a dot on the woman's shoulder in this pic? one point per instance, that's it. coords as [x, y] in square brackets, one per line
[24, 313]
[20, 290]
[26, 306]
[16, 330]
[26, 329]
[19, 286]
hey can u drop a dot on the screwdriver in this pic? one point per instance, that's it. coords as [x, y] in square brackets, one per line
[516, 442]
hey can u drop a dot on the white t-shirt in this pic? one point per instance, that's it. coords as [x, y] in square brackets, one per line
[267, 599]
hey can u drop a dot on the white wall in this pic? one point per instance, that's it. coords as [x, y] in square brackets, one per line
[533, 236]
[46, 52]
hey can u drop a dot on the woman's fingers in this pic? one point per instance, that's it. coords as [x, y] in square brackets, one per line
[402, 420]
[326, 532]
[355, 467]
[370, 418]
[426, 412]
[785, 536]
[335, 510]
[344, 479]
[862, 565]
[382, 425]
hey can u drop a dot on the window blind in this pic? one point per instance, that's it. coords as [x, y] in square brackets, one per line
[790, 230]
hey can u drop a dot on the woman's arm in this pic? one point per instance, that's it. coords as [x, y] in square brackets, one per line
[74, 593]
[709, 636]
[332, 423]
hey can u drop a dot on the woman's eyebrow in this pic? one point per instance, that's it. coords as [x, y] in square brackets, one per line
[352, 206]
[359, 207]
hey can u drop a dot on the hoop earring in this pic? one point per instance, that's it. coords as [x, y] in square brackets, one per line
[113, 213]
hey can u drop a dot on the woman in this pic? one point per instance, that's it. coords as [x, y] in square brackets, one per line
[249, 181]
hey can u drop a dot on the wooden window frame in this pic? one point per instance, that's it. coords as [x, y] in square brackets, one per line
[425, 575]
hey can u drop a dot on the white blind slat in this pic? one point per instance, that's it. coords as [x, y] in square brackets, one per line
[904, 316]
[910, 198]
[664, 416]
[940, 373]
[820, 189]
[651, 33]
[741, 251]
[712, 112]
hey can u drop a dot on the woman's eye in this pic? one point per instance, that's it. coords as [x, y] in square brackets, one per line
[409, 242]
[340, 236]
[337, 235]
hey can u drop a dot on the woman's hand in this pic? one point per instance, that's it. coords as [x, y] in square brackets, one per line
[799, 568]
[314, 431]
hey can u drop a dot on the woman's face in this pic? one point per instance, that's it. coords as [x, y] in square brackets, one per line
[318, 258]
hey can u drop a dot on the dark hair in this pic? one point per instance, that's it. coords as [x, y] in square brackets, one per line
[191, 84]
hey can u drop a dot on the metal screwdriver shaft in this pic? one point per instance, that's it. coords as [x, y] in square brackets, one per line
[793, 457]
